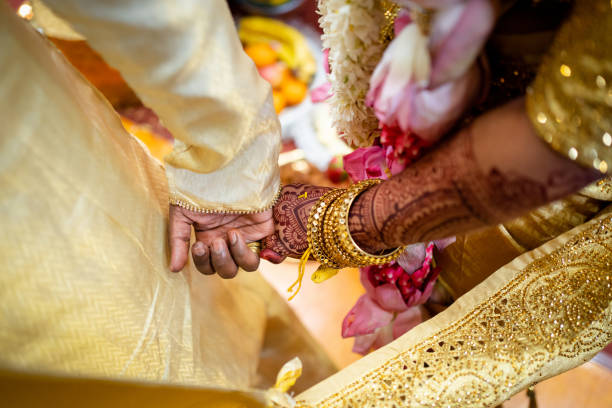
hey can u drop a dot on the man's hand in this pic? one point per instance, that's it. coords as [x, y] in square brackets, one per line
[221, 240]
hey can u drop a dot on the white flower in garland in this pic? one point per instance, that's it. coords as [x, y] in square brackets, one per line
[352, 34]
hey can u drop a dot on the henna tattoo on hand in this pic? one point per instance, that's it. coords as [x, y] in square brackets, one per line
[291, 218]
[446, 193]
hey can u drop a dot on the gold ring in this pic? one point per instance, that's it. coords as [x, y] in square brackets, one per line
[255, 247]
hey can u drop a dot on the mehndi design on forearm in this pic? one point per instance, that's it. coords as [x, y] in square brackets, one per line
[446, 193]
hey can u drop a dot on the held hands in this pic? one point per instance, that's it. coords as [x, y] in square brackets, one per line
[221, 240]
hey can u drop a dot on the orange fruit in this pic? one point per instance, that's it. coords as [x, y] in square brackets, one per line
[262, 54]
[294, 91]
[279, 101]
[275, 74]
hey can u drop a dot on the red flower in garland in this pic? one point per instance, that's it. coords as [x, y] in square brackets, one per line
[401, 148]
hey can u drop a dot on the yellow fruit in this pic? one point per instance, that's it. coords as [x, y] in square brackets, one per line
[294, 91]
[279, 101]
[293, 49]
[262, 54]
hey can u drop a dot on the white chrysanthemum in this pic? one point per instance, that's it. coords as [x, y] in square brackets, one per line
[352, 34]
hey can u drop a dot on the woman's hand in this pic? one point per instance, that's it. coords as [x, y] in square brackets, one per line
[290, 222]
[221, 240]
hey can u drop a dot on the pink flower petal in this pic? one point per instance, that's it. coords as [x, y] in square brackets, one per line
[420, 297]
[363, 344]
[441, 244]
[365, 317]
[363, 161]
[401, 21]
[464, 41]
[321, 93]
[412, 258]
[389, 297]
[366, 280]
[405, 65]
[384, 336]
[407, 320]
[438, 109]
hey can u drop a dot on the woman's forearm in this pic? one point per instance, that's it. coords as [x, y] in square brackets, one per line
[492, 171]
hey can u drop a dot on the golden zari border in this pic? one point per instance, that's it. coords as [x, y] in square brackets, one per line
[552, 315]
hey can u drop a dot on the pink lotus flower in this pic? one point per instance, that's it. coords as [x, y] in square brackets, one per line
[365, 163]
[395, 151]
[326, 61]
[404, 68]
[423, 85]
[393, 293]
[323, 92]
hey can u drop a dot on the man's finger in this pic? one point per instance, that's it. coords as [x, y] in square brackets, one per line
[201, 258]
[242, 254]
[179, 231]
[222, 261]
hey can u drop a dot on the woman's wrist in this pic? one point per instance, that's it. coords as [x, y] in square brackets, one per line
[362, 225]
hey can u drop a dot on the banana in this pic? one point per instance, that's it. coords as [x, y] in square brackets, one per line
[285, 51]
[292, 46]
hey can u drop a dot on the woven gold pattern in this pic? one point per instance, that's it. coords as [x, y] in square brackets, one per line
[552, 315]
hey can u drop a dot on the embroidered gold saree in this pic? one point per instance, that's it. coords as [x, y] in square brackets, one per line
[90, 314]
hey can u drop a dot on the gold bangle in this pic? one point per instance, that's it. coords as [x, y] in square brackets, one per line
[329, 239]
[330, 244]
[358, 256]
[316, 219]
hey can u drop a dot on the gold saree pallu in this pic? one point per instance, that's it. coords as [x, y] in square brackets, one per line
[552, 313]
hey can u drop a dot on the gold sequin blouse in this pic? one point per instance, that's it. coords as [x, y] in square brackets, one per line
[570, 101]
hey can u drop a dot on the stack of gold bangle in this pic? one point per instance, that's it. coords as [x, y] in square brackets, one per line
[328, 234]
[316, 226]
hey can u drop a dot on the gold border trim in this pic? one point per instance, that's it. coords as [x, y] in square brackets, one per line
[180, 203]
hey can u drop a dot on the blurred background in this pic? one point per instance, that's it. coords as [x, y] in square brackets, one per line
[282, 38]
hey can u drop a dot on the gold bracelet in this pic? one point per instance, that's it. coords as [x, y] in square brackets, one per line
[330, 243]
[357, 256]
[329, 239]
[316, 219]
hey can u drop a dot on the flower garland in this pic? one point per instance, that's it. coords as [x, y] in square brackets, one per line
[351, 31]
[393, 103]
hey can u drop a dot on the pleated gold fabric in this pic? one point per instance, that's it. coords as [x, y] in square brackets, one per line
[84, 284]
[184, 60]
[85, 292]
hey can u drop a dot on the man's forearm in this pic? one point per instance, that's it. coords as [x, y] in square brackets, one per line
[492, 171]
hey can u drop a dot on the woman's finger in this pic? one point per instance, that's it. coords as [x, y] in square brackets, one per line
[272, 249]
